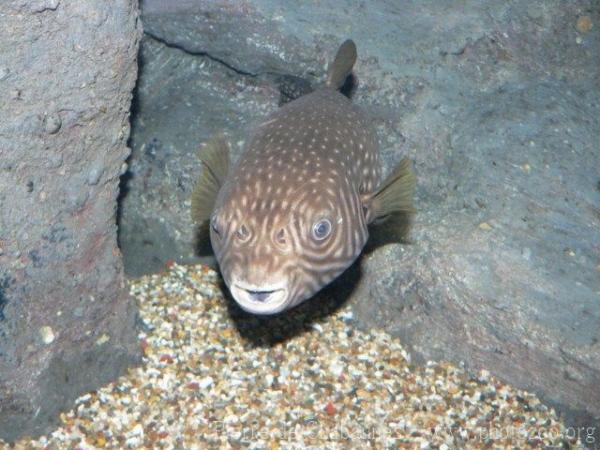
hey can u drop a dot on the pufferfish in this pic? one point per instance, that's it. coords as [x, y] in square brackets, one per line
[293, 212]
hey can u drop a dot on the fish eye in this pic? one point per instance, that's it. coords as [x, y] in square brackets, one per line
[243, 233]
[215, 226]
[280, 237]
[321, 229]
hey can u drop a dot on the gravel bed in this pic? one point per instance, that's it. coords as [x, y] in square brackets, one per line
[215, 377]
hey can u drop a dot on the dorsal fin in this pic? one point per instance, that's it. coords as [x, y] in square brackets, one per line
[342, 65]
[215, 161]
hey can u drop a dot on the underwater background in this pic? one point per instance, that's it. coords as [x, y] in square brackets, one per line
[478, 328]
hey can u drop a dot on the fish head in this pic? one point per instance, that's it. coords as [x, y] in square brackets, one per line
[276, 251]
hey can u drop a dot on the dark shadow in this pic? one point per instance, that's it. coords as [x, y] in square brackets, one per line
[266, 331]
[292, 87]
[123, 191]
[128, 175]
[202, 245]
[5, 283]
[350, 85]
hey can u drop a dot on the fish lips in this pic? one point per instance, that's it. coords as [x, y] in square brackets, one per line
[262, 300]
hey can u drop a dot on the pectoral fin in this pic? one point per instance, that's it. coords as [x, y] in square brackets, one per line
[395, 195]
[215, 162]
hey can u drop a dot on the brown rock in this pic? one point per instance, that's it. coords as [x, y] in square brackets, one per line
[66, 321]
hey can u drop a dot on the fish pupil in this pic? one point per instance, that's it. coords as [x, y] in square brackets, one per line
[280, 237]
[243, 232]
[321, 229]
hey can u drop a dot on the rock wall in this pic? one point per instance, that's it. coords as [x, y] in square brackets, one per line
[67, 70]
[497, 105]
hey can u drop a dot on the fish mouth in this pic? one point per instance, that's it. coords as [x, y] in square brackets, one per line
[259, 300]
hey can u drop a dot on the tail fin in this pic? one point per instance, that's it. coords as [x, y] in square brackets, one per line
[342, 65]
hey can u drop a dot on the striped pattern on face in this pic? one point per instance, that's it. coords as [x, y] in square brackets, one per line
[288, 219]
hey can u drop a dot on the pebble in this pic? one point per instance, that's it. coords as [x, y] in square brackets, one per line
[584, 24]
[52, 123]
[205, 382]
[47, 335]
[95, 173]
[103, 339]
[214, 377]
[484, 376]
[336, 368]
[55, 160]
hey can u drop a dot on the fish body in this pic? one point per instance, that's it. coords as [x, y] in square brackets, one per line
[293, 213]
